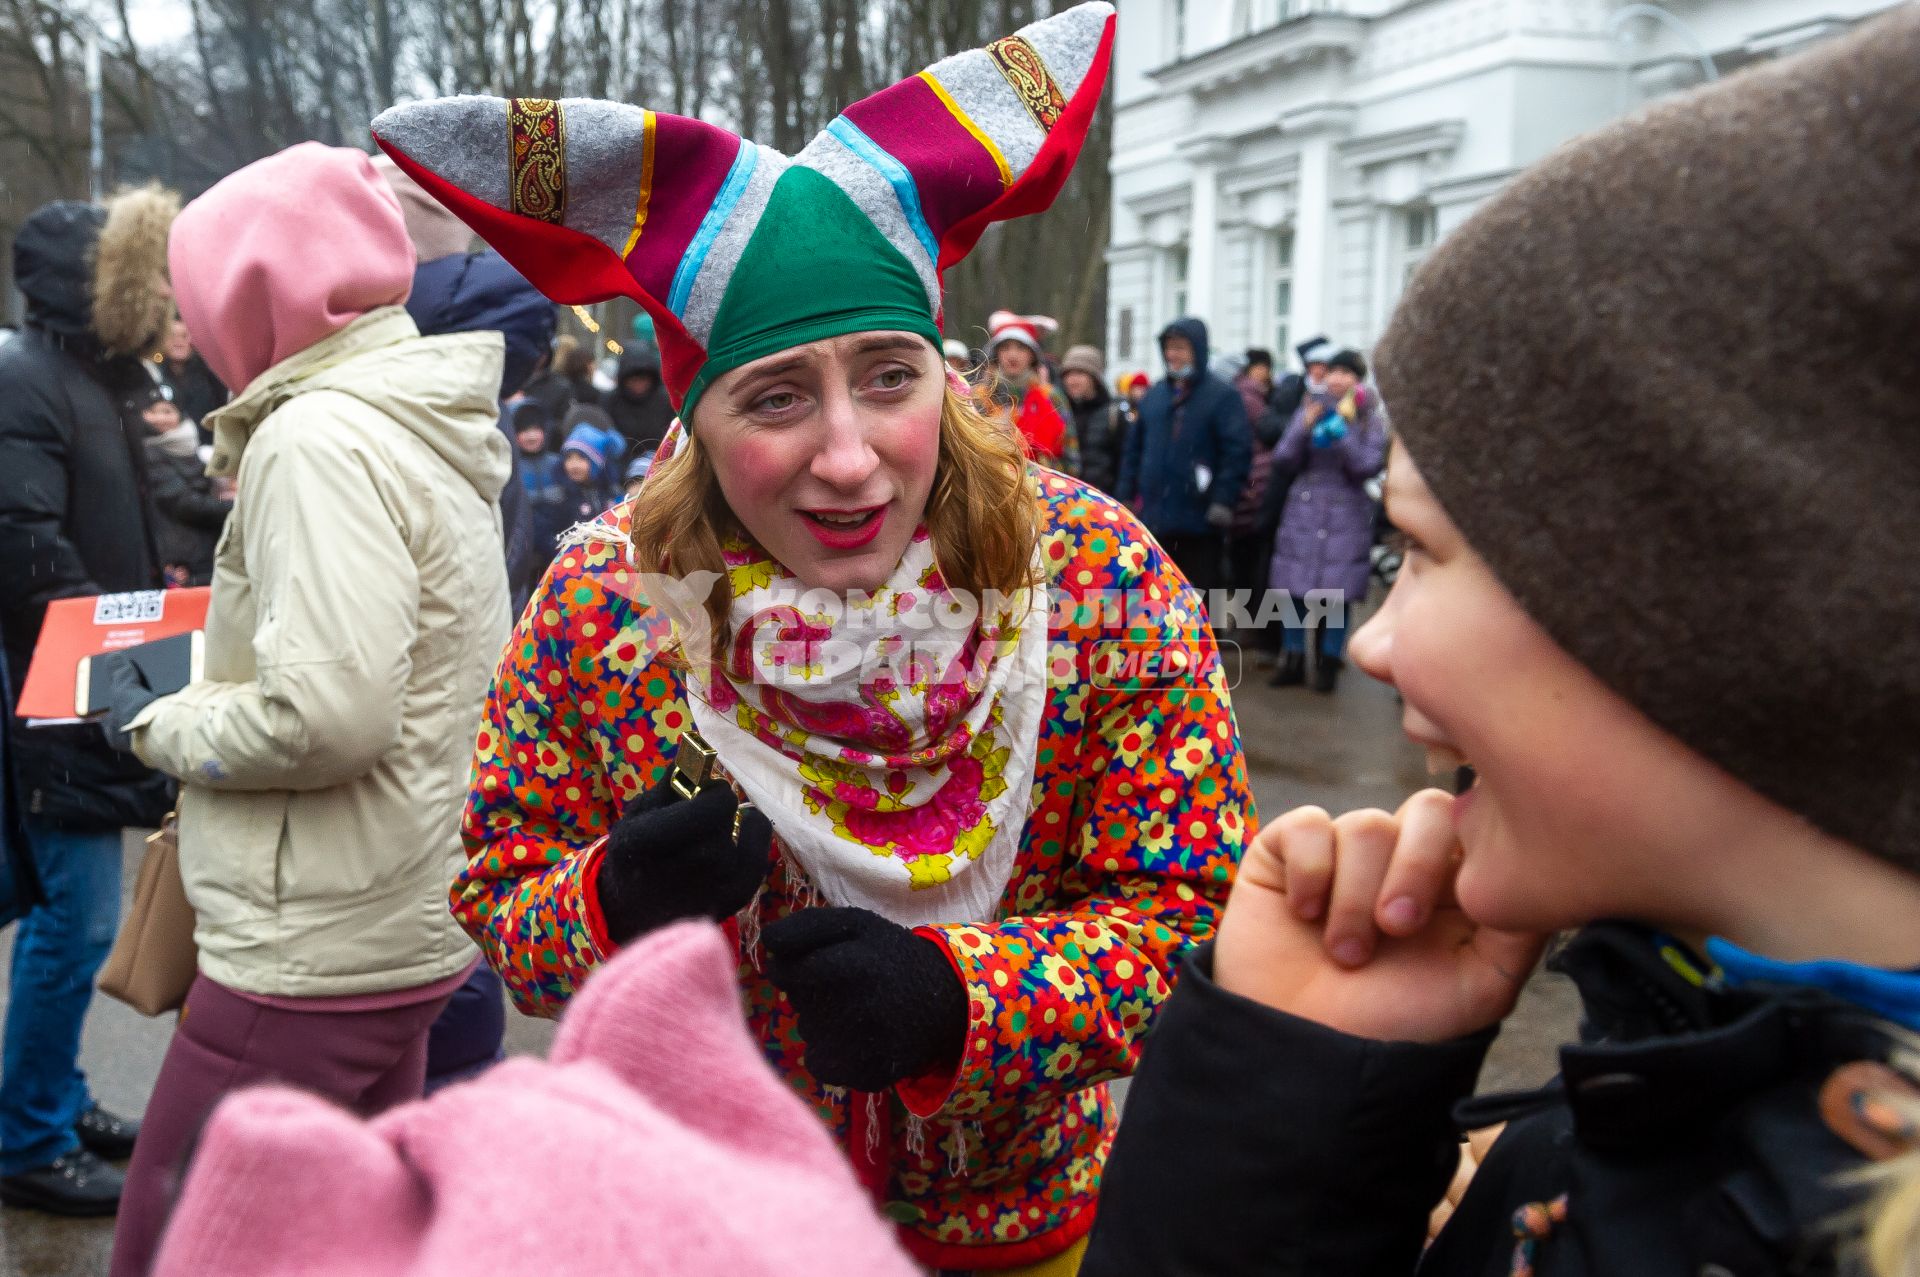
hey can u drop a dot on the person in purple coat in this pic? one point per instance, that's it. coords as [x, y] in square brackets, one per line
[1336, 441]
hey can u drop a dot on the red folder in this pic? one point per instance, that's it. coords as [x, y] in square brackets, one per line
[77, 630]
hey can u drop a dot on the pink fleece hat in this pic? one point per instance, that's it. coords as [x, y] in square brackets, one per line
[285, 252]
[656, 1141]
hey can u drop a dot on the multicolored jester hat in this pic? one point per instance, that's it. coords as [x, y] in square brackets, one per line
[738, 251]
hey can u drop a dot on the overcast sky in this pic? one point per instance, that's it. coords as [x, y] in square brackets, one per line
[158, 22]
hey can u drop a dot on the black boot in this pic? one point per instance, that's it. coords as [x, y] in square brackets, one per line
[1291, 671]
[77, 1184]
[107, 1134]
[1326, 673]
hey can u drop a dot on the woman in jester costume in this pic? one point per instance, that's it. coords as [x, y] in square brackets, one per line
[978, 780]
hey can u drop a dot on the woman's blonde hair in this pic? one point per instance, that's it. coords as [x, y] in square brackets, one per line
[983, 515]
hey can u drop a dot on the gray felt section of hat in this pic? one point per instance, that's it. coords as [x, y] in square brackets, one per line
[606, 145]
[1687, 438]
[874, 195]
[710, 285]
[975, 83]
[1067, 42]
[462, 140]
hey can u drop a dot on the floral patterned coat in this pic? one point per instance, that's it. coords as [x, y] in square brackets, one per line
[1139, 812]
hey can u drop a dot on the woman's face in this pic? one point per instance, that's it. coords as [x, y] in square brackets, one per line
[1081, 386]
[1582, 807]
[1340, 381]
[1013, 359]
[826, 452]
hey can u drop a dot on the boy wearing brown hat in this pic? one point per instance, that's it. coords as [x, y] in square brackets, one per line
[1629, 544]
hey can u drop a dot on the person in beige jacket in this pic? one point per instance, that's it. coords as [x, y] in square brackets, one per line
[359, 607]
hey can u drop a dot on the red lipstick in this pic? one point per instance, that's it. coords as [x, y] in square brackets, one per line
[837, 530]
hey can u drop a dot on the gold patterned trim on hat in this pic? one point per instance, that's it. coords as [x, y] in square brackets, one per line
[1032, 83]
[648, 130]
[966, 122]
[537, 157]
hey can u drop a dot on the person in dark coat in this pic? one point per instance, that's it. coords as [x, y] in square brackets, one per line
[548, 388]
[75, 519]
[1255, 383]
[1250, 535]
[1099, 419]
[542, 483]
[479, 292]
[638, 403]
[188, 510]
[573, 359]
[1674, 756]
[1185, 464]
[19, 880]
[1337, 441]
[195, 389]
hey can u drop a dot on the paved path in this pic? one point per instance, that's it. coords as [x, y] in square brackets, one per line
[1341, 751]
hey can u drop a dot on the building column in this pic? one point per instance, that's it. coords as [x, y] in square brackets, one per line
[1313, 240]
[1203, 225]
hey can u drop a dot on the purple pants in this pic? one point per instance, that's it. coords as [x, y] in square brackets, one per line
[366, 1060]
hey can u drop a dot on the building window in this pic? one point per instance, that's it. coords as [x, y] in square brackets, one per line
[1178, 36]
[1177, 279]
[1125, 336]
[1242, 17]
[1421, 227]
[1280, 291]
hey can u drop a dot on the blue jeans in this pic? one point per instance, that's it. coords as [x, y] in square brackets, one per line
[57, 951]
[1333, 636]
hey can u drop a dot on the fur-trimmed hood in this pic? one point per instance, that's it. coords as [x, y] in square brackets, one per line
[87, 269]
[132, 300]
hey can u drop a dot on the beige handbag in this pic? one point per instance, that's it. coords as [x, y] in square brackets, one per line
[153, 960]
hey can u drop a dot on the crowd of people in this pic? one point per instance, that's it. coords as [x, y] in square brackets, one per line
[1256, 486]
[524, 681]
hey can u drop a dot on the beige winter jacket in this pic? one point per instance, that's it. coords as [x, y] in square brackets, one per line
[359, 606]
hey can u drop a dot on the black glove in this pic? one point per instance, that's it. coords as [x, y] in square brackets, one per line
[670, 858]
[876, 1002]
[120, 686]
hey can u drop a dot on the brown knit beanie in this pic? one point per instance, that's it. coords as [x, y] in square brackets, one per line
[1085, 359]
[1691, 448]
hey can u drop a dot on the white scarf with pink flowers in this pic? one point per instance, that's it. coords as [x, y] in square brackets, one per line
[890, 738]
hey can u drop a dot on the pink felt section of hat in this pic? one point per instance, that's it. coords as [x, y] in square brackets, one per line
[952, 172]
[691, 160]
[656, 1141]
[285, 252]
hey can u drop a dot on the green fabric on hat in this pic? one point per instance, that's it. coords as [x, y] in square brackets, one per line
[816, 267]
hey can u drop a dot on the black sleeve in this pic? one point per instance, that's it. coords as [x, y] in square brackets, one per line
[37, 561]
[1255, 1142]
[1234, 441]
[184, 501]
[1129, 481]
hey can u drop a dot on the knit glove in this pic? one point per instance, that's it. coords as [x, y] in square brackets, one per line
[1331, 430]
[877, 1003]
[1219, 517]
[123, 690]
[670, 858]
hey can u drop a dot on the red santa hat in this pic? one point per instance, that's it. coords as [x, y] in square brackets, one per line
[1030, 331]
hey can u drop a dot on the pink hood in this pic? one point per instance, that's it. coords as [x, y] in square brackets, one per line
[286, 252]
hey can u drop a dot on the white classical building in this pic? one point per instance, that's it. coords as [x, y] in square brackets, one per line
[1281, 166]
